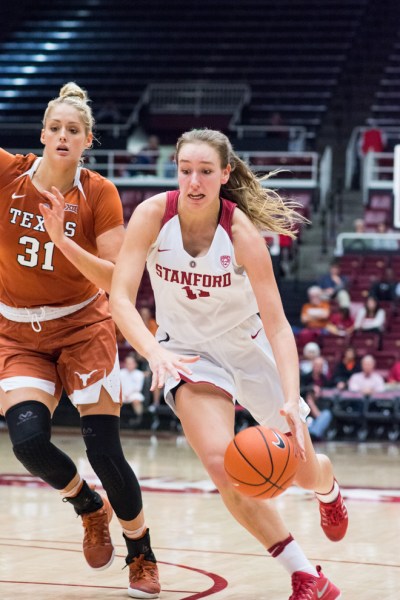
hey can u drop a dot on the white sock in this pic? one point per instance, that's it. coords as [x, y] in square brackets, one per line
[330, 496]
[292, 557]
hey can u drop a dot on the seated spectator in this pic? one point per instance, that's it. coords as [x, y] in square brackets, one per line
[333, 286]
[385, 288]
[132, 380]
[108, 113]
[370, 317]
[368, 380]
[311, 386]
[345, 368]
[359, 226]
[384, 242]
[170, 169]
[393, 378]
[314, 315]
[310, 352]
[148, 319]
[372, 139]
[152, 326]
[341, 323]
[148, 157]
[315, 379]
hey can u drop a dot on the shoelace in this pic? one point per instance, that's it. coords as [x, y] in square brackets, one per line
[96, 527]
[140, 568]
[303, 589]
[333, 514]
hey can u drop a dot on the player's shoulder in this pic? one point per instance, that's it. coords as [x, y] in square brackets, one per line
[95, 180]
[18, 163]
[154, 206]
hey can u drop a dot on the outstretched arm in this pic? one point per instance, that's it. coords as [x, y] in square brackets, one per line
[97, 269]
[141, 233]
[251, 252]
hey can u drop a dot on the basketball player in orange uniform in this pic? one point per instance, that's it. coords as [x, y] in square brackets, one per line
[211, 275]
[61, 227]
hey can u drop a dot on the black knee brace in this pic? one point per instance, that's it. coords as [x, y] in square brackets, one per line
[105, 454]
[29, 428]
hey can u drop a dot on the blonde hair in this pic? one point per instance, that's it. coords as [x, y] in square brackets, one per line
[265, 208]
[77, 97]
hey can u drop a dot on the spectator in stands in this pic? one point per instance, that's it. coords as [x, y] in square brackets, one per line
[312, 385]
[152, 326]
[108, 114]
[170, 166]
[393, 378]
[149, 320]
[368, 380]
[311, 351]
[359, 226]
[132, 381]
[370, 317]
[314, 315]
[386, 288]
[372, 140]
[345, 368]
[340, 323]
[147, 158]
[334, 285]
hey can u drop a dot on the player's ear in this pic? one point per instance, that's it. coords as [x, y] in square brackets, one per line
[225, 174]
[42, 137]
[89, 140]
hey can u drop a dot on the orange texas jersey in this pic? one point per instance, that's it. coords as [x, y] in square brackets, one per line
[33, 272]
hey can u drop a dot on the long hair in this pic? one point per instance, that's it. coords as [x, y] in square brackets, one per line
[265, 208]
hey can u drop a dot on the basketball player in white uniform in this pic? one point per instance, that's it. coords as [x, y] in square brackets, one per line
[211, 274]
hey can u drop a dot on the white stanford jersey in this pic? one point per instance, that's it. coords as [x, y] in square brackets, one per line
[198, 298]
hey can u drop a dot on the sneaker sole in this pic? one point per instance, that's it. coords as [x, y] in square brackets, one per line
[104, 567]
[139, 594]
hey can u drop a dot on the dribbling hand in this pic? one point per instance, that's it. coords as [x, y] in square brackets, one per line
[291, 413]
[164, 364]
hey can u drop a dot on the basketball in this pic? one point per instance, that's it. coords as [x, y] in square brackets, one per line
[260, 462]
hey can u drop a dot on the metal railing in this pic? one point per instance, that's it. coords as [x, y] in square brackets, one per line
[392, 135]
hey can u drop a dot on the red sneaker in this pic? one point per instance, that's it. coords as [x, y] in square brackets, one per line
[334, 518]
[308, 587]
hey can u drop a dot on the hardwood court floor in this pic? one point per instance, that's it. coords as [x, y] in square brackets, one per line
[202, 552]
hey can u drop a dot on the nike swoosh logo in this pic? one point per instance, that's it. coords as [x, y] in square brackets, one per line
[322, 592]
[15, 196]
[164, 250]
[253, 337]
[280, 443]
[165, 340]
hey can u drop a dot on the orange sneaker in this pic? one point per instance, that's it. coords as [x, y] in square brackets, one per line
[97, 545]
[334, 518]
[143, 578]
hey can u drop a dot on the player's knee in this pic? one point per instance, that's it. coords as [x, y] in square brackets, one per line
[29, 427]
[105, 454]
[214, 465]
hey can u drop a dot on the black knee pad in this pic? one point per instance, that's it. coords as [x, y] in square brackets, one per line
[29, 428]
[105, 454]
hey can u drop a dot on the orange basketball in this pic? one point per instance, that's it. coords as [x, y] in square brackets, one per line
[260, 462]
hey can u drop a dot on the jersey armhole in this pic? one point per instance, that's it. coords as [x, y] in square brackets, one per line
[171, 206]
